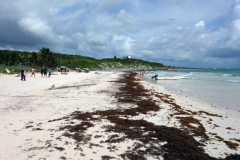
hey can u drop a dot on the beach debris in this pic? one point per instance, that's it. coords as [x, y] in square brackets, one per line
[231, 145]
[8, 71]
[64, 87]
[168, 142]
[149, 139]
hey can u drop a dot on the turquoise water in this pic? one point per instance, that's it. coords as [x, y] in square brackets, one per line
[219, 87]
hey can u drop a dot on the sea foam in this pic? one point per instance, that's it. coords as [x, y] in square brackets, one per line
[227, 75]
[235, 81]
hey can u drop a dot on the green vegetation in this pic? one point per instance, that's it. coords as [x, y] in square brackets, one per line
[16, 60]
[30, 59]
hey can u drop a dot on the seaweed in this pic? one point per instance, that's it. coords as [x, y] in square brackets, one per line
[199, 131]
[209, 114]
[233, 157]
[59, 148]
[107, 157]
[219, 138]
[231, 145]
[168, 142]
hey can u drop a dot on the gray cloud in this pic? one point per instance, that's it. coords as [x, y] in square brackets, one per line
[171, 32]
[224, 53]
[12, 34]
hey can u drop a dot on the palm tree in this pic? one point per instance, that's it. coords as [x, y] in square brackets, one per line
[14, 57]
[7, 57]
[47, 56]
[21, 58]
[33, 58]
[2, 57]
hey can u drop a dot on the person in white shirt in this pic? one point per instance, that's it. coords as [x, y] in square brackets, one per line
[33, 72]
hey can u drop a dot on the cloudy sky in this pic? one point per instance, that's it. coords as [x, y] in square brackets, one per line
[184, 33]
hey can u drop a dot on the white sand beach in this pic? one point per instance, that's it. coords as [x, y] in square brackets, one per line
[36, 117]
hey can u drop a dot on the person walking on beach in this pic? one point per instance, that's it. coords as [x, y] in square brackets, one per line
[33, 73]
[41, 72]
[23, 75]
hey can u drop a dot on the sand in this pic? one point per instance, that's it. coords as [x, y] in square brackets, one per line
[35, 115]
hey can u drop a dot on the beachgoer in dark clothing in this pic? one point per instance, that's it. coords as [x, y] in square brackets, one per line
[45, 72]
[41, 72]
[23, 75]
[155, 76]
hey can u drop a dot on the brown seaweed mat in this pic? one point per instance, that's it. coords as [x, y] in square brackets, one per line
[150, 139]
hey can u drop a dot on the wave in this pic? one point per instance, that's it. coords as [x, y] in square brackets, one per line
[172, 78]
[234, 81]
[227, 75]
[231, 75]
[236, 75]
[155, 72]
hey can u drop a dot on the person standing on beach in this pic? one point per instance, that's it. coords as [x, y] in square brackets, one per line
[33, 73]
[49, 74]
[142, 74]
[23, 75]
[45, 72]
[41, 72]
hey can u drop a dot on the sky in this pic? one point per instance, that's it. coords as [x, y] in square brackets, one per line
[182, 33]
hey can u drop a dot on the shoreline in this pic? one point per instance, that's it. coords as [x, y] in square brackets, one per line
[214, 126]
[39, 120]
[186, 93]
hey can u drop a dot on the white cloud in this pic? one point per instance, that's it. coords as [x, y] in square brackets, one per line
[35, 26]
[200, 24]
[97, 39]
[122, 45]
[237, 8]
[53, 11]
[236, 24]
[83, 47]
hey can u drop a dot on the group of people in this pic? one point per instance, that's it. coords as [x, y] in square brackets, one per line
[64, 70]
[46, 72]
[143, 72]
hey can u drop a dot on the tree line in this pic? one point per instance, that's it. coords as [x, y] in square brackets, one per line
[34, 59]
[46, 58]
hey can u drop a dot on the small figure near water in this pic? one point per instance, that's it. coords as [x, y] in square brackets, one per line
[142, 73]
[155, 76]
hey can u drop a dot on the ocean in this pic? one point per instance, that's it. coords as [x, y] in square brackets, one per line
[217, 87]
